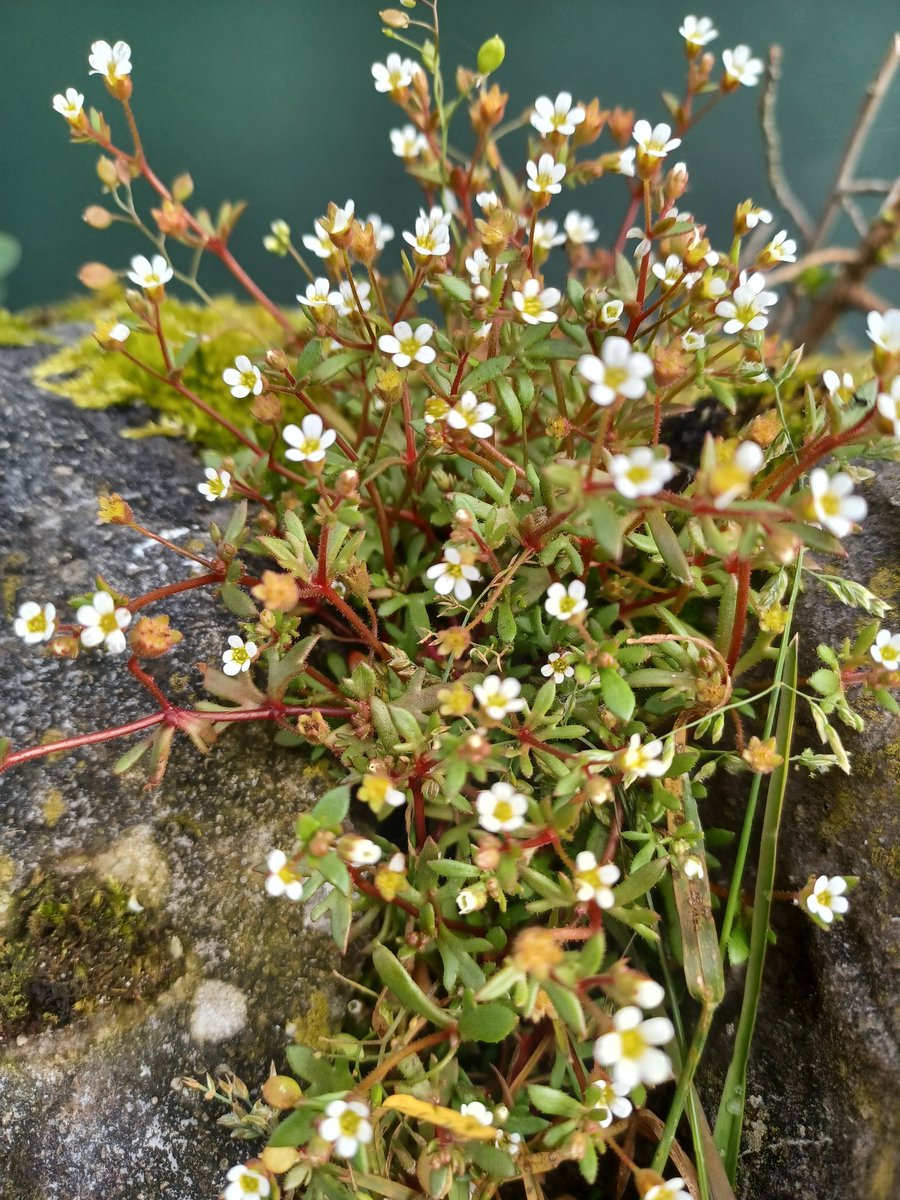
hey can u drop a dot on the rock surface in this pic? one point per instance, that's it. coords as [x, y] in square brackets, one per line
[821, 1117]
[90, 1109]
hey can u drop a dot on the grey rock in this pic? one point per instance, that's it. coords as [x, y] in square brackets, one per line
[821, 1117]
[90, 1109]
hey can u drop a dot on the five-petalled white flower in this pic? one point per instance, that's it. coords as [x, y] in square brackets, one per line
[347, 1125]
[282, 879]
[558, 667]
[216, 485]
[608, 1100]
[593, 880]
[748, 306]
[35, 623]
[885, 649]
[472, 414]
[453, 575]
[835, 507]
[620, 370]
[841, 388]
[70, 105]
[113, 62]
[308, 441]
[431, 238]
[630, 1052]
[478, 1111]
[781, 249]
[393, 74]
[671, 1189]
[637, 760]
[244, 378]
[639, 472]
[547, 235]
[103, 623]
[884, 329]
[149, 274]
[319, 242]
[348, 295]
[545, 175]
[406, 345]
[827, 898]
[534, 303]
[383, 232]
[579, 228]
[566, 602]
[499, 696]
[654, 141]
[697, 32]
[239, 656]
[556, 116]
[408, 142]
[741, 67]
[502, 809]
[318, 294]
[243, 1182]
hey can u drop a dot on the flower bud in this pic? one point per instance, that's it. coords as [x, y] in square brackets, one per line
[151, 637]
[488, 109]
[394, 19]
[97, 216]
[95, 275]
[267, 409]
[182, 188]
[347, 483]
[114, 510]
[107, 173]
[281, 1091]
[171, 218]
[591, 127]
[621, 124]
[63, 646]
[491, 55]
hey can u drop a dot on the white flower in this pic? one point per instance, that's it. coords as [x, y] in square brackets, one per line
[638, 761]
[346, 1122]
[592, 880]
[103, 622]
[546, 235]
[119, 333]
[670, 272]
[319, 294]
[346, 301]
[498, 697]
[487, 200]
[648, 993]
[654, 141]
[757, 216]
[630, 1052]
[693, 340]
[608, 1100]
[478, 1111]
[394, 74]
[564, 602]
[279, 240]
[239, 655]
[319, 242]
[886, 649]
[342, 217]
[741, 67]
[502, 809]
[841, 388]
[836, 509]
[360, 851]
[71, 105]
[731, 479]
[639, 472]
[625, 163]
[558, 667]
[697, 31]
[147, 274]
[112, 61]
[888, 402]
[408, 142]
[827, 898]
[545, 175]
[692, 867]
[216, 485]
[535, 304]
[476, 264]
[407, 346]
[243, 1182]
[281, 880]
[884, 329]
[556, 116]
[35, 624]
[672, 1189]
[453, 575]
[431, 239]
[308, 442]
[471, 414]
[471, 900]
[383, 233]
[781, 249]
[610, 311]
[619, 371]
[243, 378]
[580, 229]
[510, 1142]
[748, 305]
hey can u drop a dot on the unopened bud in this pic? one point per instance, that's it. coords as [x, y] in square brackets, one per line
[281, 1091]
[97, 217]
[491, 55]
[95, 275]
[107, 173]
[347, 483]
[394, 19]
[267, 409]
[182, 188]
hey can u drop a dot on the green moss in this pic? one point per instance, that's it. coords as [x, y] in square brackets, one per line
[95, 378]
[315, 1023]
[19, 330]
[72, 946]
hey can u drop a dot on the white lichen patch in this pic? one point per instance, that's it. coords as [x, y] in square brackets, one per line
[219, 1012]
[135, 861]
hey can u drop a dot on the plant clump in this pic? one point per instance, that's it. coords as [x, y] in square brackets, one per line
[466, 568]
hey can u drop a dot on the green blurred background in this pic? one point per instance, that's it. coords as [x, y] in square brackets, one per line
[272, 101]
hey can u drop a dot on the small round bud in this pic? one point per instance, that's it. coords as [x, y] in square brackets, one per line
[463, 518]
[491, 55]
[347, 483]
[394, 19]
[267, 409]
[95, 275]
[281, 1091]
[97, 216]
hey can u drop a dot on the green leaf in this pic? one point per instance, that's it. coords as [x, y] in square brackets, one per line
[308, 359]
[285, 669]
[567, 1006]
[336, 364]
[625, 278]
[606, 526]
[554, 1103]
[334, 870]
[485, 372]
[297, 1127]
[403, 987]
[491, 1159]
[510, 403]
[639, 882]
[506, 623]
[486, 1022]
[457, 288]
[332, 808]
[668, 546]
[617, 695]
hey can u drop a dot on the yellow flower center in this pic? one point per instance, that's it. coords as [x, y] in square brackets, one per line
[495, 700]
[532, 306]
[614, 377]
[37, 623]
[567, 604]
[108, 623]
[503, 810]
[349, 1122]
[250, 1184]
[239, 655]
[410, 346]
[890, 654]
[632, 1043]
[829, 504]
[309, 445]
[638, 475]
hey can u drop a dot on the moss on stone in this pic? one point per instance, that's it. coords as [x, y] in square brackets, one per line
[315, 1023]
[19, 330]
[74, 945]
